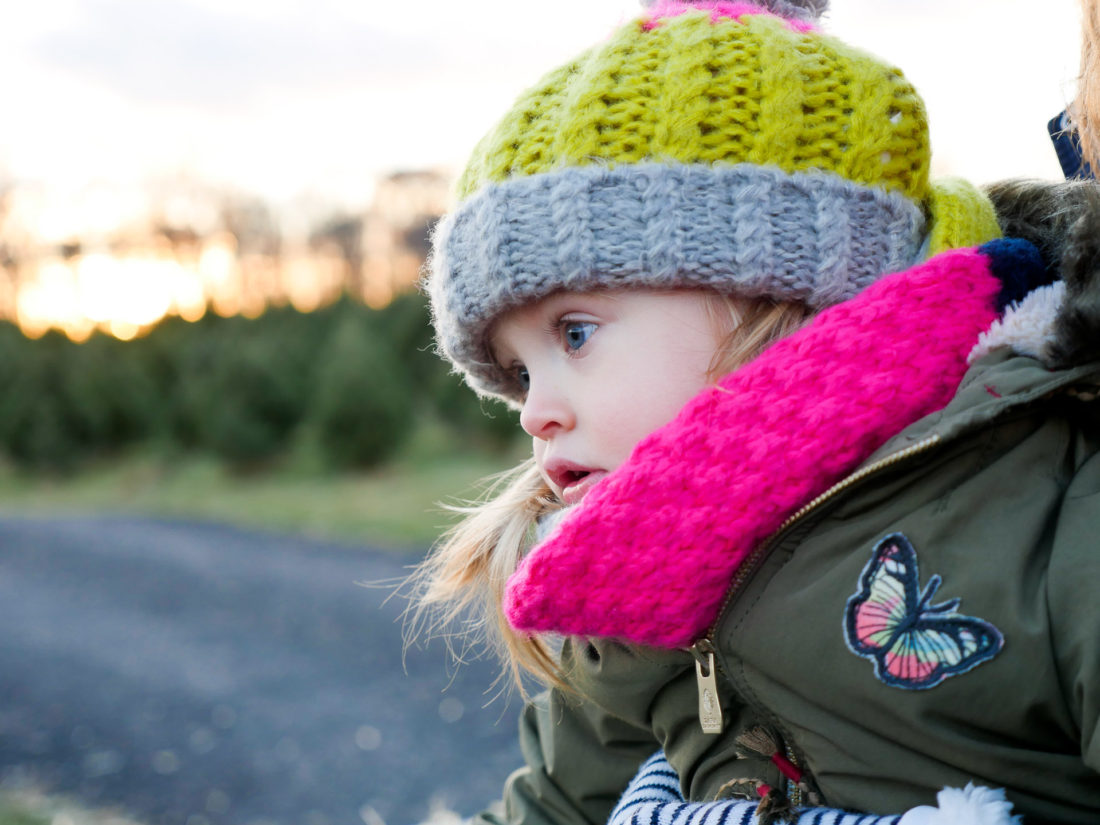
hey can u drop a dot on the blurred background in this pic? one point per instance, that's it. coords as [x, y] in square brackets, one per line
[213, 214]
[232, 200]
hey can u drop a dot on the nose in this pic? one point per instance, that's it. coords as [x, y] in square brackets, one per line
[546, 410]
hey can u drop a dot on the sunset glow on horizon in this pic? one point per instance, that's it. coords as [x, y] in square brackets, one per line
[127, 295]
[123, 284]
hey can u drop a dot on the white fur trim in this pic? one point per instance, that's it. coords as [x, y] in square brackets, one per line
[1027, 327]
[972, 805]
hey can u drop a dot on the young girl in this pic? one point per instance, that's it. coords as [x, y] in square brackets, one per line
[809, 516]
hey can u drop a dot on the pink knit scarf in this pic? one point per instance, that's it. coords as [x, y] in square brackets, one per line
[649, 554]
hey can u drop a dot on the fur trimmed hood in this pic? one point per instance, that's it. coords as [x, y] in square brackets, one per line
[1063, 221]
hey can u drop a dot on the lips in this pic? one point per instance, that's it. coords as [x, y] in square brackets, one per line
[573, 493]
[573, 480]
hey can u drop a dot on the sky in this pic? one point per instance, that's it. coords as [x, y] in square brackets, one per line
[309, 101]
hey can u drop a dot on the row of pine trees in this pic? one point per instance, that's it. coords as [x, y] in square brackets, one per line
[346, 383]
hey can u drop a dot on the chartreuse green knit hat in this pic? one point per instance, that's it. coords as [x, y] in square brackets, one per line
[720, 145]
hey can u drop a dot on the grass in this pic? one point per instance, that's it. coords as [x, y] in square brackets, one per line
[396, 505]
[28, 807]
[13, 813]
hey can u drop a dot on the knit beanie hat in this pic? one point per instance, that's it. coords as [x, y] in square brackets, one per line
[720, 145]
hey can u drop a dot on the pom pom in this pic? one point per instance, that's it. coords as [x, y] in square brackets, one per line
[799, 9]
[795, 9]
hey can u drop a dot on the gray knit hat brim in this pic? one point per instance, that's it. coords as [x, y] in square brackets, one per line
[745, 229]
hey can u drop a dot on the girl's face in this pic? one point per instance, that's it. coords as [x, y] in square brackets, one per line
[602, 371]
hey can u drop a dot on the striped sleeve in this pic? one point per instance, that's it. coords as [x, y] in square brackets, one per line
[654, 798]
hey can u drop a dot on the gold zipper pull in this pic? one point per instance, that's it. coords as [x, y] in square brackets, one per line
[710, 709]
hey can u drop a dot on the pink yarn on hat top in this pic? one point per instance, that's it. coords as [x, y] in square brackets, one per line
[719, 10]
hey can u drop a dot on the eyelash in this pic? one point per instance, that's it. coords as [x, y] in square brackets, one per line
[559, 330]
[556, 329]
[522, 379]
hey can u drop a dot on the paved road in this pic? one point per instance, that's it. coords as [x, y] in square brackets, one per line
[201, 675]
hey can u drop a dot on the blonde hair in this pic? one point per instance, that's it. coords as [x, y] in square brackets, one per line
[1085, 110]
[461, 583]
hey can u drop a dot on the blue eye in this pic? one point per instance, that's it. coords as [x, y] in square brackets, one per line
[523, 378]
[575, 334]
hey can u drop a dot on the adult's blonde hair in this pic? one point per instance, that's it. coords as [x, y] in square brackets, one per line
[458, 590]
[1085, 111]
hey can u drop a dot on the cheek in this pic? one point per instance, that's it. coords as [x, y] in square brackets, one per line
[645, 386]
[645, 406]
[672, 375]
[668, 398]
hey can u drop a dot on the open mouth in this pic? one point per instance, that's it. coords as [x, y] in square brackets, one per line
[575, 484]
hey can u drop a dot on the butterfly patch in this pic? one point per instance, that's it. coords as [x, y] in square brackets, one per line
[913, 643]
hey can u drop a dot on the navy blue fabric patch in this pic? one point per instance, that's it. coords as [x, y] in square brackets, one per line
[1019, 267]
[1067, 146]
[913, 643]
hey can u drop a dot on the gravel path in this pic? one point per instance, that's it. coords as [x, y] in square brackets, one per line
[193, 674]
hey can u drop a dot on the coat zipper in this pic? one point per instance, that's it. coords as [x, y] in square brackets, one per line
[710, 708]
[705, 650]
